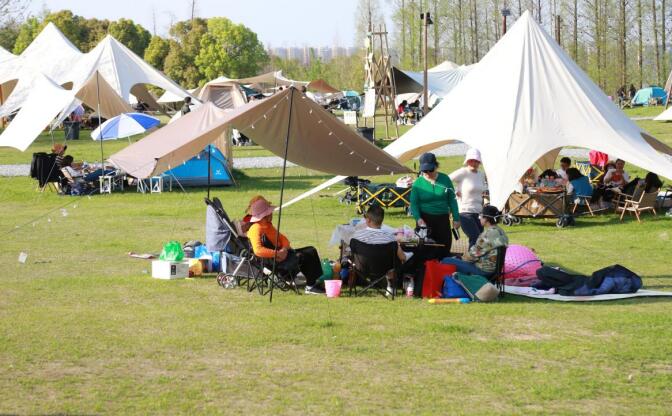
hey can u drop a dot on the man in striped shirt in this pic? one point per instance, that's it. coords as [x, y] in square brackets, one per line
[373, 233]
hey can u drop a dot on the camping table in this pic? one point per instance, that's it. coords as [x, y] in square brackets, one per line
[536, 204]
[386, 195]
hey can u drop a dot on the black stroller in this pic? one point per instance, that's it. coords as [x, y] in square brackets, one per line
[242, 266]
[351, 195]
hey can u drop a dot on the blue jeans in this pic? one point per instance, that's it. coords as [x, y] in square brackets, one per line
[471, 226]
[96, 174]
[465, 267]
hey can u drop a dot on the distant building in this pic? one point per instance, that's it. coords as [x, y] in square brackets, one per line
[306, 53]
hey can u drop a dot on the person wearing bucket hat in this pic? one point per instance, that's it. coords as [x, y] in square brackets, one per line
[433, 202]
[481, 259]
[263, 236]
[469, 186]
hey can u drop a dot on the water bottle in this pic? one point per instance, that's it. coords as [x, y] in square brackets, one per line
[408, 286]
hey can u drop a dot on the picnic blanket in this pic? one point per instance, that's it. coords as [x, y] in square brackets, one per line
[532, 293]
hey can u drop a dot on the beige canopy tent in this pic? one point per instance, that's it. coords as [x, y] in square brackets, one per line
[316, 139]
[321, 86]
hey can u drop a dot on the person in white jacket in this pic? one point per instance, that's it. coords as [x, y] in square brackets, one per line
[470, 184]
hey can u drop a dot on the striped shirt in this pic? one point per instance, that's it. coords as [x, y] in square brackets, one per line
[370, 235]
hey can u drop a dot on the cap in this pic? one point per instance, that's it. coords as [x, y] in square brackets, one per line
[428, 162]
[472, 154]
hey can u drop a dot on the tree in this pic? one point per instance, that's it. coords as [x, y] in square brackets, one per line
[71, 25]
[157, 51]
[11, 10]
[94, 31]
[180, 63]
[230, 49]
[134, 36]
[28, 31]
[9, 31]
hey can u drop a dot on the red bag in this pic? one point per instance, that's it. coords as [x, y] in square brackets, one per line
[435, 271]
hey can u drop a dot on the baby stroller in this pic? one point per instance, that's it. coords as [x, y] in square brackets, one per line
[352, 192]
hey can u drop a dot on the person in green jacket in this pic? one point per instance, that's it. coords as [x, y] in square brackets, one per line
[433, 202]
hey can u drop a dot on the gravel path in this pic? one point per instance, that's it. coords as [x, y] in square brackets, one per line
[276, 162]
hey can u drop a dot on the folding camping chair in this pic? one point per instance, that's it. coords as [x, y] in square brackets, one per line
[594, 173]
[646, 202]
[371, 265]
[498, 276]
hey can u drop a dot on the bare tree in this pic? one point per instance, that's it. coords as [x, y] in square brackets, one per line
[656, 46]
[640, 40]
[12, 9]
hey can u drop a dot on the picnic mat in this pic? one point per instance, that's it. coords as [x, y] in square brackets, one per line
[530, 293]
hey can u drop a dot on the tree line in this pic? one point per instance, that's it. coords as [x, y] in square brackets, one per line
[196, 50]
[617, 42]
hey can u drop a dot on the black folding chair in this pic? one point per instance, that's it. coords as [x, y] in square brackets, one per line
[498, 276]
[371, 264]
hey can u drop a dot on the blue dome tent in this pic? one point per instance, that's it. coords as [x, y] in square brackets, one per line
[643, 96]
[194, 172]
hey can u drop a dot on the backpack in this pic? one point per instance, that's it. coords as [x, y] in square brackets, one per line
[478, 287]
[452, 289]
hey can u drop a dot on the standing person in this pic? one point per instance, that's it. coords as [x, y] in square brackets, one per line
[469, 185]
[186, 108]
[433, 202]
[565, 163]
[633, 91]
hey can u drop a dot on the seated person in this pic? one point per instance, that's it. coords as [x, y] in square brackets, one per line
[245, 223]
[268, 244]
[373, 234]
[617, 177]
[482, 257]
[578, 184]
[59, 151]
[565, 163]
[652, 183]
[548, 179]
[529, 179]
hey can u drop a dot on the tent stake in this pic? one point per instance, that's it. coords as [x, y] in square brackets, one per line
[282, 186]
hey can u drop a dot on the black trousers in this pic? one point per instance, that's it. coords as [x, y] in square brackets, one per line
[309, 264]
[439, 230]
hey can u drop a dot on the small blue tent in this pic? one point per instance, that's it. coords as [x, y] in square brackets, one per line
[643, 96]
[194, 172]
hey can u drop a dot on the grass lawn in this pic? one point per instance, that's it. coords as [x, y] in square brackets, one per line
[84, 329]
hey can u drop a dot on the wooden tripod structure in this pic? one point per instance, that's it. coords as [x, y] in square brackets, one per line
[379, 76]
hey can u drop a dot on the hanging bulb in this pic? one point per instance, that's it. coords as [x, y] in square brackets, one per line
[377, 168]
[330, 133]
[352, 153]
[365, 161]
[340, 143]
[252, 126]
[264, 116]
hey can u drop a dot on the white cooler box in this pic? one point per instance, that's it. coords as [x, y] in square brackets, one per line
[169, 270]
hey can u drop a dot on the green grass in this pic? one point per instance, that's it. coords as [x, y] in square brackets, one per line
[84, 329]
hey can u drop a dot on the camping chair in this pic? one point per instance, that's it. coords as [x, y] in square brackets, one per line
[619, 200]
[246, 270]
[498, 276]
[371, 264]
[646, 202]
[593, 172]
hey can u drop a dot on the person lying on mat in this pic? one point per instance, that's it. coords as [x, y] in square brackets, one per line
[267, 243]
[481, 259]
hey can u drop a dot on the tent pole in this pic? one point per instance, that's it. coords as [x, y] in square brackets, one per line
[102, 134]
[282, 184]
[209, 157]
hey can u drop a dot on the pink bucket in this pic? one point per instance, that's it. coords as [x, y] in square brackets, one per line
[520, 262]
[333, 288]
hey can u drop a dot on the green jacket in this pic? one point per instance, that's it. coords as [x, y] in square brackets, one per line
[434, 199]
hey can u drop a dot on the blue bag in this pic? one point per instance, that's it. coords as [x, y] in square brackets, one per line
[452, 289]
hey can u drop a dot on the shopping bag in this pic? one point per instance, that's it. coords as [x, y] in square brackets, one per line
[435, 272]
[172, 251]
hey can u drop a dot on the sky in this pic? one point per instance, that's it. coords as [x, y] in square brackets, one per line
[277, 23]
